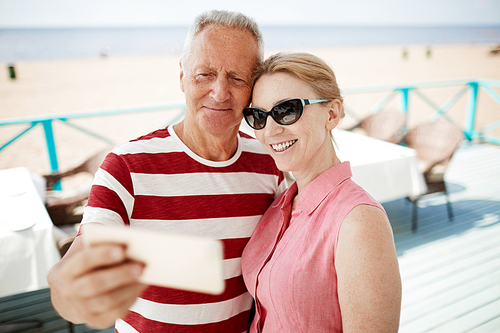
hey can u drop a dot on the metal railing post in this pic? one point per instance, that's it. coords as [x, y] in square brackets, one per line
[471, 111]
[51, 148]
[404, 104]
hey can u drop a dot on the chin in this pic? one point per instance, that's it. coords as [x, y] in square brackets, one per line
[213, 126]
[283, 166]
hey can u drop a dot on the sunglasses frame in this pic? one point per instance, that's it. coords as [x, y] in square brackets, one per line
[271, 112]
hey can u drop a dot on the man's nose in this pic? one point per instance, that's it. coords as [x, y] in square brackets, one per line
[220, 89]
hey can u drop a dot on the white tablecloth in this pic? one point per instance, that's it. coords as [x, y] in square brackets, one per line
[27, 245]
[385, 170]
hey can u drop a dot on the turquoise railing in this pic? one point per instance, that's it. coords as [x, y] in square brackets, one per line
[47, 123]
[471, 87]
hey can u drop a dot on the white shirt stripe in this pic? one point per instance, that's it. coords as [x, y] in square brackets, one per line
[217, 228]
[193, 314]
[206, 183]
[231, 268]
[103, 178]
[122, 327]
[94, 214]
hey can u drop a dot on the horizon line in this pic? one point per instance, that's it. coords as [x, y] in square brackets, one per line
[263, 25]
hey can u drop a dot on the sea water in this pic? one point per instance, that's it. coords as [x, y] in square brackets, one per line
[64, 43]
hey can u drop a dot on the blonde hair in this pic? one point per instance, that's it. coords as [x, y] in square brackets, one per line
[306, 67]
[224, 18]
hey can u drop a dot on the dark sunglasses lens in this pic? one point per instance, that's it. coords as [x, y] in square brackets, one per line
[255, 118]
[288, 112]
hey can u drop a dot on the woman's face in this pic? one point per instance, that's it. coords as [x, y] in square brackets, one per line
[305, 147]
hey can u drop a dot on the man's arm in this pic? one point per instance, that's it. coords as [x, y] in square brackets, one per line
[94, 286]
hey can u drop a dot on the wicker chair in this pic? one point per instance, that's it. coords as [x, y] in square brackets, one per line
[435, 143]
[384, 125]
[61, 208]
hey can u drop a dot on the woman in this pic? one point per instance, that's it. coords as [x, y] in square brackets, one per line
[322, 258]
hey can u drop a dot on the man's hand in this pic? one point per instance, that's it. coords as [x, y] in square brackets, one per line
[94, 286]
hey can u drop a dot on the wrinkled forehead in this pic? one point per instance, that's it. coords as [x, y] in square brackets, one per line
[221, 47]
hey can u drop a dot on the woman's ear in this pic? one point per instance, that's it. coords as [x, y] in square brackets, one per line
[333, 114]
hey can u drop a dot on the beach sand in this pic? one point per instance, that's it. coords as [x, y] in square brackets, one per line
[79, 85]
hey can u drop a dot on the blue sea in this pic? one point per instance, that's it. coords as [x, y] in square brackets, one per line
[65, 43]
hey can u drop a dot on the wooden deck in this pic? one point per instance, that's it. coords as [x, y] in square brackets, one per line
[451, 270]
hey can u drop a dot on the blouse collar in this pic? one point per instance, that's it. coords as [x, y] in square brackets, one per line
[317, 190]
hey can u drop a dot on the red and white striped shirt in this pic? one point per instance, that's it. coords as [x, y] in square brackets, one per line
[156, 182]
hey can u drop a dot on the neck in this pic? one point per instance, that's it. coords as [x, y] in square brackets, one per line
[205, 145]
[305, 177]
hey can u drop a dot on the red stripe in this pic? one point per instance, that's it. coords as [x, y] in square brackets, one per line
[233, 248]
[200, 207]
[174, 163]
[237, 324]
[103, 197]
[116, 166]
[234, 288]
[258, 163]
[244, 135]
[180, 162]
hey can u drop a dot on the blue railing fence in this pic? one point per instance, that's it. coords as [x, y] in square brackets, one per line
[473, 104]
[461, 106]
[50, 127]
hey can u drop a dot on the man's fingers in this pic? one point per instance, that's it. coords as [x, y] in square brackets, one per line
[117, 302]
[93, 258]
[107, 279]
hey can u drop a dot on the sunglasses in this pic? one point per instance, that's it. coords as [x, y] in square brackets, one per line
[284, 113]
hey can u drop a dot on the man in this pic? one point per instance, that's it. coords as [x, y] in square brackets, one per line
[197, 177]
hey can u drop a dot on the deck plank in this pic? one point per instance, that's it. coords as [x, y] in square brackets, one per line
[451, 269]
[488, 327]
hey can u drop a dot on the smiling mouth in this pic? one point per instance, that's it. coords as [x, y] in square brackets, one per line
[283, 146]
[218, 109]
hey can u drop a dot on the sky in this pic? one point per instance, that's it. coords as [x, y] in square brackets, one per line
[151, 13]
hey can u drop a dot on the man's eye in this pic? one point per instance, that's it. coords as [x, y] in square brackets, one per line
[203, 76]
[238, 81]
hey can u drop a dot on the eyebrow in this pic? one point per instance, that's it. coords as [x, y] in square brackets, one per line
[211, 68]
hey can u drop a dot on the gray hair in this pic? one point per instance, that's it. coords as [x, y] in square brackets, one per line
[224, 18]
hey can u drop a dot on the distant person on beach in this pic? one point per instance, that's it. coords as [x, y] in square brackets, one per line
[200, 176]
[322, 258]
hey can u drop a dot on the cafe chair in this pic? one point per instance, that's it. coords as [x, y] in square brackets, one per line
[61, 207]
[435, 143]
[386, 125]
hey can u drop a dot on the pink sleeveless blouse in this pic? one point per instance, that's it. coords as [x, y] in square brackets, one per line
[289, 263]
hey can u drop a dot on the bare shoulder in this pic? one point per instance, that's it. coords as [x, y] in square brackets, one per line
[367, 222]
[365, 234]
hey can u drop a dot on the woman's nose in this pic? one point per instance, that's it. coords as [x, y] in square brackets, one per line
[272, 127]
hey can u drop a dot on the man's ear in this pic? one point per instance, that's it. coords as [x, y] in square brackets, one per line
[181, 76]
[333, 114]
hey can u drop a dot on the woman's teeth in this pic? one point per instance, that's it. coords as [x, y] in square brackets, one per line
[283, 146]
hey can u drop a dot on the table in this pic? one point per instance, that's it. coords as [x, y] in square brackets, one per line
[27, 245]
[385, 170]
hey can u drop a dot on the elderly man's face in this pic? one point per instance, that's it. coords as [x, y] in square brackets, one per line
[216, 78]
